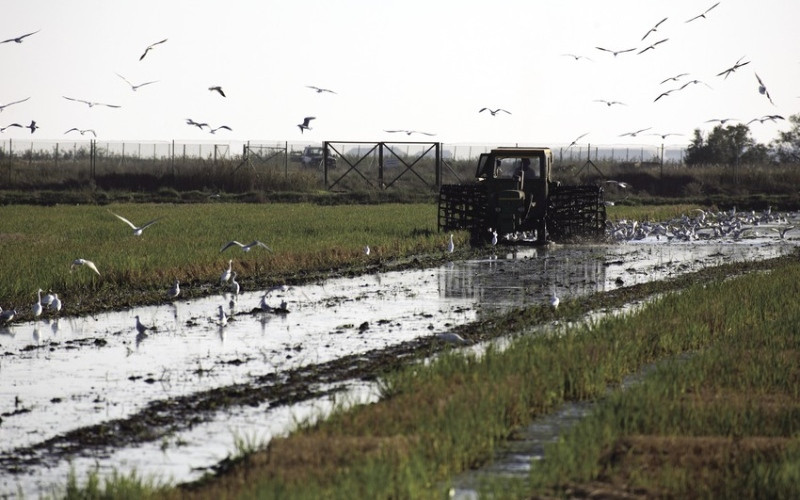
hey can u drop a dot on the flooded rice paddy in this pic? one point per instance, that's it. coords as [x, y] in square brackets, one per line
[62, 376]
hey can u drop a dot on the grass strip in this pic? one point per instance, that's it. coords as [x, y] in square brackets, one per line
[439, 419]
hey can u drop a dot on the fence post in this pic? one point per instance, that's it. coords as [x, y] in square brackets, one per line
[380, 164]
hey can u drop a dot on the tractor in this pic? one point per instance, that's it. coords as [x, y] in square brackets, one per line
[514, 195]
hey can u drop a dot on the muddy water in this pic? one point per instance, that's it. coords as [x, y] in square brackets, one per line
[58, 375]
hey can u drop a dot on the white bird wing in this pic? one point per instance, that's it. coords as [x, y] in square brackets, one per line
[230, 244]
[150, 223]
[123, 219]
[260, 244]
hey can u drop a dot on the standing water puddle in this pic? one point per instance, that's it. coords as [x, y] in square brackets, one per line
[64, 374]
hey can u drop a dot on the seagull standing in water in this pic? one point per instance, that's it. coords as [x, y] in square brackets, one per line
[234, 285]
[451, 246]
[223, 318]
[137, 230]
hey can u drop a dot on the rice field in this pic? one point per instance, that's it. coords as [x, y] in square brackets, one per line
[39, 244]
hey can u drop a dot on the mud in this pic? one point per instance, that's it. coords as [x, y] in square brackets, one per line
[86, 392]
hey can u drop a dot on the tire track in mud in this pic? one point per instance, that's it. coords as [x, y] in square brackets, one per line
[161, 418]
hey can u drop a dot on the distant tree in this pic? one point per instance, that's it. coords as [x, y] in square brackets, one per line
[787, 145]
[729, 145]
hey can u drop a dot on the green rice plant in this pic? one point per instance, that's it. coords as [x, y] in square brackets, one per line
[115, 486]
[39, 244]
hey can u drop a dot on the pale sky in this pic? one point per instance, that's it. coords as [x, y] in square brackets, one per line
[422, 65]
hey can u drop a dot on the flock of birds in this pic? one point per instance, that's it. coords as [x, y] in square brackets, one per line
[680, 83]
[52, 303]
[730, 225]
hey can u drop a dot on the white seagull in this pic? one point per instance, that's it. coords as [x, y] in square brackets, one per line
[91, 104]
[20, 38]
[320, 90]
[55, 305]
[637, 132]
[245, 248]
[577, 139]
[226, 274]
[493, 111]
[654, 28]
[8, 315]
[609, 103]
[408, 132]
[451, 246]
[4, 106]
[304, 126]
[615, 52]
[82, 131]
[135, 87]
[199, 125]
[214, 130]
[11, 125]
[703, 15]
[234, 285]
[762, 89]
[150, 47]
[652, 46]
[223, 318]
[83, 262]
[173, 292]
[137, 231]
[554, 300]
[140, 327]
[733, 68]
[37, 307]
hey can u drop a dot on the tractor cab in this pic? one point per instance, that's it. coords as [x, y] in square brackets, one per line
[517, 182]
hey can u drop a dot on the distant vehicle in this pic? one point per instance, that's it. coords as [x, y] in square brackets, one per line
[313, 156]
[513, 192]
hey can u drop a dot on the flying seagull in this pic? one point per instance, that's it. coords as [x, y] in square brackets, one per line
[654, 28]
[494, 111]
[245, 248]
[32, 126]
[653, 46]
[4, 106]
[91, 104]
[214, 130]
[189, 121]
[693, 82]
[135, 87]
[703, 15]
[19, 38]
[766, 118]
[217, 88]
[576, 57]
[664, 136]
[11, 125]
[320, 90]
[610, 103]
[137, 231]
[721, 121]
[733, 68]
[409, 132]
[673, 78]
[577, 139]
[634, 134]
[150, 47]
[664, 94]
[762, 89]
[304, 126]
[615, 52]
[83, 262]
[81, 131]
